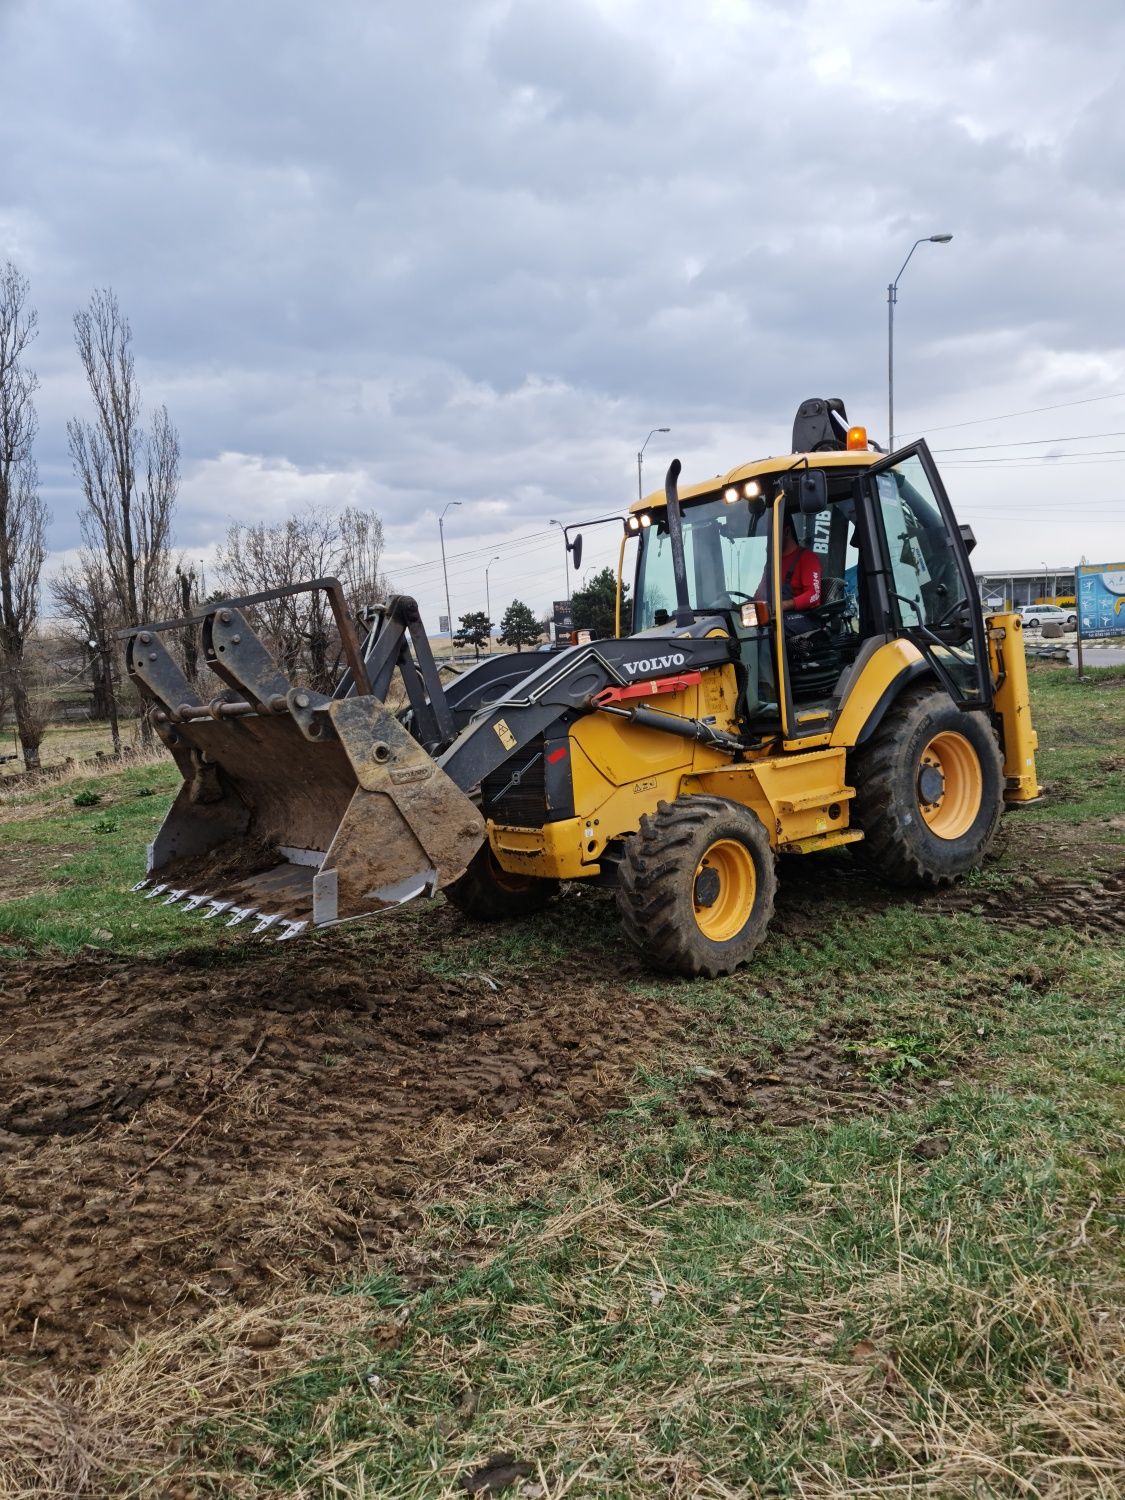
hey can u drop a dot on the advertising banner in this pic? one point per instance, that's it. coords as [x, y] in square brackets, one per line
[1101, 598]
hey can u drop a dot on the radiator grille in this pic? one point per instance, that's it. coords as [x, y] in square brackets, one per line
[516, 793]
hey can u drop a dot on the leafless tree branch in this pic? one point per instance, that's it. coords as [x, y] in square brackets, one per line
[129, 479]
[23, 516]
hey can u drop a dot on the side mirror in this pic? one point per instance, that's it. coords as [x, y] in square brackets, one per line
[576, 551]
[812, 491]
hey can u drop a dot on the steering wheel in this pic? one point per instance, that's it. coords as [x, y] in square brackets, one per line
[739, 594]
[946, 617]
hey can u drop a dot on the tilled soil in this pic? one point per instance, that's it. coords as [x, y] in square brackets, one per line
[1087, 905]
[179, 1133]
[804, 1086]
[175, 1133]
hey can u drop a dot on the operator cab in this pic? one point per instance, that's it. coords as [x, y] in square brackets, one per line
[727, 556]
[891, 562]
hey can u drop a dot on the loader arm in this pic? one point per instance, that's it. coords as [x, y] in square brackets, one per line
[301, 809]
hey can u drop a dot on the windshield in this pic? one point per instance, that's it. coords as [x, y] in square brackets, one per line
[724, 553]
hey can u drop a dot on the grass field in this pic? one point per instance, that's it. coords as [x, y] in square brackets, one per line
[850, 1226]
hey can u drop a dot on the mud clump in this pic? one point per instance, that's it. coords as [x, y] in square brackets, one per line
[1093, 905]
[805, 1085]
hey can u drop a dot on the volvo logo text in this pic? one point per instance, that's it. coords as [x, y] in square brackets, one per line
[652, 664]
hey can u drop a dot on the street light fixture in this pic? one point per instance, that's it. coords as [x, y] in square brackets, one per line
[892, 298]
[488, 600]
[566, 558]
[640, 459]
[445, 573]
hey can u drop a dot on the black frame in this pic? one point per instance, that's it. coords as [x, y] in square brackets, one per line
[883, 595]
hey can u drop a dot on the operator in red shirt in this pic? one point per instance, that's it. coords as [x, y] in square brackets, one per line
[801, 572]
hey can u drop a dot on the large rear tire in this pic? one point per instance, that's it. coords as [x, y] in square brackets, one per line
[929, 790]
[489, 894]
[696, 886]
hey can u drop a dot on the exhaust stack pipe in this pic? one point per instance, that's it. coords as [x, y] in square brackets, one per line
[684, 612]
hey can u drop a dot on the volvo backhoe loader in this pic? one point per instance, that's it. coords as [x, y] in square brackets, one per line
[677, 762]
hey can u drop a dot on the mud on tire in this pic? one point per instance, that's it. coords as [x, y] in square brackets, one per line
[489, 894]
[929, 790]
[696, 886]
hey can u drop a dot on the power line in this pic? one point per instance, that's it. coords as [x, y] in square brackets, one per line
[1043, 458]
[473, 552]
[1078, 437]
[1028, 411]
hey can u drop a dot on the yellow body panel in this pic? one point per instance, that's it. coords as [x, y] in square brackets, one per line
[620, 771]
[1012, 701]
[835, 459]
[880, 670]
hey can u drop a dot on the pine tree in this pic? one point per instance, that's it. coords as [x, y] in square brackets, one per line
[476, 628]
[519, 627]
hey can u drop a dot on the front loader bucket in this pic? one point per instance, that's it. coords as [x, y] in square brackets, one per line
[296, 810]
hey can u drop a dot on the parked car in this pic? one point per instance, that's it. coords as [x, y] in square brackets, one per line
[1034, 615]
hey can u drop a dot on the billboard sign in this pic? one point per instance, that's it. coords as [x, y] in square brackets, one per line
[562, 616]
[1100, 588]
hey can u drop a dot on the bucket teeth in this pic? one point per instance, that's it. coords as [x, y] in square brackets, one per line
[279, 927]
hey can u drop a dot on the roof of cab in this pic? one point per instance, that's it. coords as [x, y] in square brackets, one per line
[836, 458]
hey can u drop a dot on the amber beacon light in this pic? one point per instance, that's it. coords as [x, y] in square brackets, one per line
[857, 438]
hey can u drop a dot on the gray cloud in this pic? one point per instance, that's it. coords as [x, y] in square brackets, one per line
[474, 251]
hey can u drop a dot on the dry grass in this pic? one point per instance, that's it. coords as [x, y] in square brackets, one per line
[27, 791]
[117, 1432]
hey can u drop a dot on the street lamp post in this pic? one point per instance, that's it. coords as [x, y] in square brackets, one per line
[445, 573]
[641, 457]
[892, 298]
[488, 601]
[566, 558]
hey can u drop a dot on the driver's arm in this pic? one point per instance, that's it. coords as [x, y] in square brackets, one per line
[806, 581]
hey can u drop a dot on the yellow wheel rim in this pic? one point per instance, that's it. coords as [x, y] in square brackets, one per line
[723, 890]
[950, 785]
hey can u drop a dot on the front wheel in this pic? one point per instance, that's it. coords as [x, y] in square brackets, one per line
[697, 885]
[929, 790]
[490, 894]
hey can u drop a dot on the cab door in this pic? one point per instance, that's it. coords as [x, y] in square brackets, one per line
[922, 581]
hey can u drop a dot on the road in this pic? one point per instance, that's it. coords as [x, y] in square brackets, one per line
[1100, 656]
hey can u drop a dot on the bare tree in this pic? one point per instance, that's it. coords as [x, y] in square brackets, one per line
[129, 479]
[23, 516]
[313, 544]
[83, 597]
[360, 552]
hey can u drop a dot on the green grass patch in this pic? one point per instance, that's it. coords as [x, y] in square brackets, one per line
[75, 847]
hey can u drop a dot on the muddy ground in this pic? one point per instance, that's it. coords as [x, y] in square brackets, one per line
[177, 1133]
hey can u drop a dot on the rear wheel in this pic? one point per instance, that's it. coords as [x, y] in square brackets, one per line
[697, 885]
[489, 894]
[929, 789]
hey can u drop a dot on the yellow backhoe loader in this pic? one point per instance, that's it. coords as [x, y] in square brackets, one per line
[722, 728]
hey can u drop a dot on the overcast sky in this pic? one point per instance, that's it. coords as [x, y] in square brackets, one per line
[401, 254]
